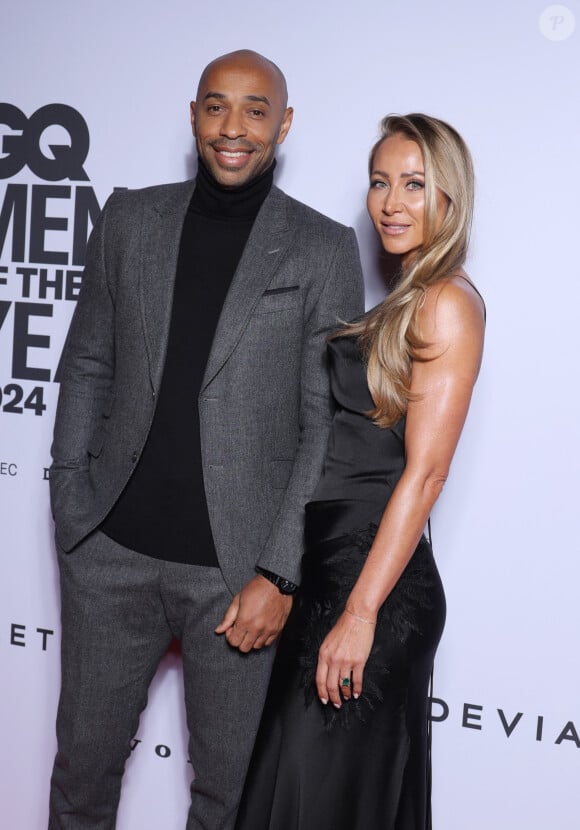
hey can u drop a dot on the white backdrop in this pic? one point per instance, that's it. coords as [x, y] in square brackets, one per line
[507, 754]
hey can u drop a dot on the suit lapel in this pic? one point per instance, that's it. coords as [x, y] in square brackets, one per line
[264, 250]
[161, 228]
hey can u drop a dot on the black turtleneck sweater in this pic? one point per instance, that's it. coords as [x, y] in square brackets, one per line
[163, 511]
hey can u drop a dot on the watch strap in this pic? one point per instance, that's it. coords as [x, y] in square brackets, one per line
[282, 584]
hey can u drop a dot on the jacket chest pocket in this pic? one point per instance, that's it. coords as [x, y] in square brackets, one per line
[279, 299]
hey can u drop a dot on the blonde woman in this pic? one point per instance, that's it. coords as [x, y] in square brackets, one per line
[344, 737]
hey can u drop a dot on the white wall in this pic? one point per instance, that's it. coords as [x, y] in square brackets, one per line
[505, 530]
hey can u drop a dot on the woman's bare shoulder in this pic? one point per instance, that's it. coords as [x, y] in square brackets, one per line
[453, 310]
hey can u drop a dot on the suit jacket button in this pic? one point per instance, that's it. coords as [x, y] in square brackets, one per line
[134, 457]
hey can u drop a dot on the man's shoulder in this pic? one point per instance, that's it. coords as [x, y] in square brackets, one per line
[303, 215]
[159, 196]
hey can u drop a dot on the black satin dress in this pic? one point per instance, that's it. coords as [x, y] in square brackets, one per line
[364, 766]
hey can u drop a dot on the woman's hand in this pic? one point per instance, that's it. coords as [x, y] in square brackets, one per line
[343, 655]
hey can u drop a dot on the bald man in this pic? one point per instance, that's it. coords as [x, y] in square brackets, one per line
[191, 426]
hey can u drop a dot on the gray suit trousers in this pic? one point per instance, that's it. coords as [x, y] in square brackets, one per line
[120, 611]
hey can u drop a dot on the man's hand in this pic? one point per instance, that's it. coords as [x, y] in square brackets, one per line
[256, 615]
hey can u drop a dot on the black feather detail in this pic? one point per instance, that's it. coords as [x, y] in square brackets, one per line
[330, 571]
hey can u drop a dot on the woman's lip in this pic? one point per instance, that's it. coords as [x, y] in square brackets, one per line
[393, 230]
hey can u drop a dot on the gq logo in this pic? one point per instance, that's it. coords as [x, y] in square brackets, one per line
[22, 147]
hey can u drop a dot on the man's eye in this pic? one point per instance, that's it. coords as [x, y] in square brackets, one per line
[257, 113]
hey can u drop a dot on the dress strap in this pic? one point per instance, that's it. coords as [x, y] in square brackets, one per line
[477, 291]
[429, 771]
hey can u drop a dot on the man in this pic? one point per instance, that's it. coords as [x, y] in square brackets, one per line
[190, 432]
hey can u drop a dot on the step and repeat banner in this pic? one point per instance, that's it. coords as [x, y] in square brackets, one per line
[96, 97]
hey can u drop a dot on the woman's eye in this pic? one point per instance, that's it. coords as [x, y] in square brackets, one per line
[377, 184]
[414, 184]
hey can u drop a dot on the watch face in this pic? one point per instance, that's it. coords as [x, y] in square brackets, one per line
[286, 586]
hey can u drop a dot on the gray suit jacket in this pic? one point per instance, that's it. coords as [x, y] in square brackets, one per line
[264, 404]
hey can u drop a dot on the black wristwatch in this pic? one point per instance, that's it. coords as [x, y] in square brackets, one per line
[283, 585]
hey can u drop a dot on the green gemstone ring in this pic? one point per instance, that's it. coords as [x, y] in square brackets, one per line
[346, 682]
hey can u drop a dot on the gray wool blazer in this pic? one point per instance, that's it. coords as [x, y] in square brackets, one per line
[264, 405]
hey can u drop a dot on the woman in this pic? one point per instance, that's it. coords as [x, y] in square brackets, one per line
[343, 740]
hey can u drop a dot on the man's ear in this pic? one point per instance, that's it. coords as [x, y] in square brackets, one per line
[286, 124]
[192, 116]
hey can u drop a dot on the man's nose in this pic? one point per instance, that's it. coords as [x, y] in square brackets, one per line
[233, 125]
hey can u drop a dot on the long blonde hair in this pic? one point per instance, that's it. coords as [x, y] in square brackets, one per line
[388, 335]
